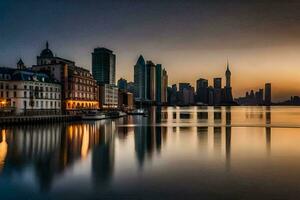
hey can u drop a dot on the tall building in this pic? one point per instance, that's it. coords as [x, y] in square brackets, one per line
[79, 88]
[104, 66]
[158, 83]
[122, 84]
[161, 84]
[201, 89]
[164, 96]
[228, 99]
[268, 94]
[217, 91]
[140, 79]
[151, 80]
[218, 83]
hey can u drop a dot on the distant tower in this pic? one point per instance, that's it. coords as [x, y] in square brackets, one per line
[228, 76]
[228, 90]
[268, 99]
[20, 64]
[140, 79]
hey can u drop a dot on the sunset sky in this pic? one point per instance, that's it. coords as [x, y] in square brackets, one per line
[191, 38]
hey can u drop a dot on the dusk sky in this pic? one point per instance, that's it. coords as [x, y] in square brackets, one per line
[192, 39]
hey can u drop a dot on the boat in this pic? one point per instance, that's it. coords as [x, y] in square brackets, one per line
[94, 115]
[137, 112]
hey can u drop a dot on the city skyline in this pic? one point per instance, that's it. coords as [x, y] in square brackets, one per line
[259, 37]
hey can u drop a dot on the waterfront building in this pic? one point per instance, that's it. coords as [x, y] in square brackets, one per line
[218, 91]
[131, 88]
[185, 95]
[252, 98]
[172, 95]
[164, 94]
[108, 96]
[122, 84]
[25, 91]
[228, 99]
[125, 100]
[268, 98]
[161, 84]
[151, 80]
[79, 88]
[104, 66]
[201, 90]
[159, 88]
[140, 79]
[210, 95]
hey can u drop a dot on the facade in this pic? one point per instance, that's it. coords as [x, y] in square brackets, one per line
[140, 79]
[104, 66]
[24, 91]
[268, 94]
[79, 88]
[108, 96]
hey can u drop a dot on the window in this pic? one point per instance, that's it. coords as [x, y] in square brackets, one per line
[42, 104]
[15, 94]
[25, 94]
[7, 86]
[25, 87]
[25, 104]
[14, 104]
[15, 87]
[7, 94]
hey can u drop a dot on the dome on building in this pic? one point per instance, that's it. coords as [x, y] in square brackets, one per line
[46, 53]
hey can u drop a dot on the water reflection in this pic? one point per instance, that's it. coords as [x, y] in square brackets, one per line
[138, 153]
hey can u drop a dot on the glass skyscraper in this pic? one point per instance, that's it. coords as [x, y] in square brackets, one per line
[104, 66]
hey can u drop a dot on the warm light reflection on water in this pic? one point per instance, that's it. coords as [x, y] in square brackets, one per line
[190, 152]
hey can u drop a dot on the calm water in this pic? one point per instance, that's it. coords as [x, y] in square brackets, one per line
[175, 153]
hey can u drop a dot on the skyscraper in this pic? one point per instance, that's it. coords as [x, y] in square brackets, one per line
[158, 83]
[164, 95]
[268, 94]
[104, 66]
[140, 79]
[201, 88]
[151, 80]
[217, 91]
[228, 99]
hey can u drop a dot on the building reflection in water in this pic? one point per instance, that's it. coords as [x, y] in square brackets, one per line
[51, 149]
[149, 137]
[103, 156]
[228, 136]
[268, 129]
[3, 148]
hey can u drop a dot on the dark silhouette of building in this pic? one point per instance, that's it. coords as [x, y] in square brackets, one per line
[228, 99]
[104, 66]
[122, 84]
[140, 79]
[268, 94]
[201, 89]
